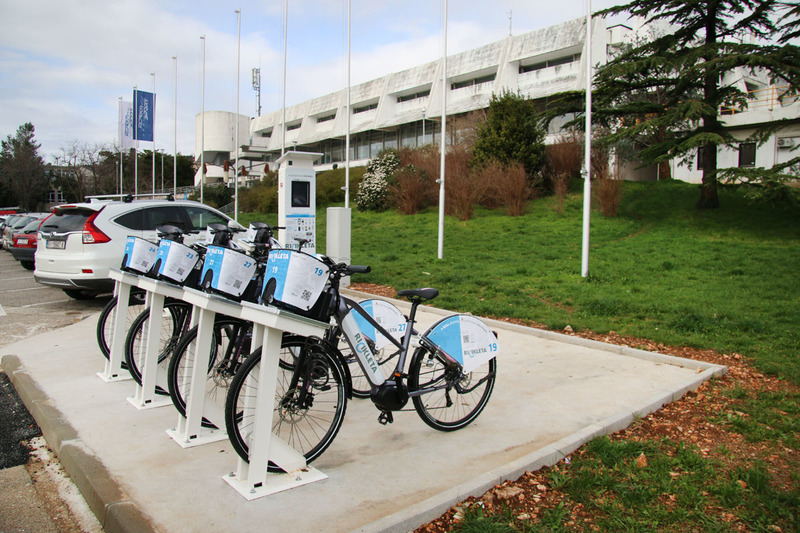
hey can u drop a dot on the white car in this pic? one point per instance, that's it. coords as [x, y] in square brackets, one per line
[80, 242]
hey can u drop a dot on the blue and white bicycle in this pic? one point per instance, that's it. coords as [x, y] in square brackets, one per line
[450, 377]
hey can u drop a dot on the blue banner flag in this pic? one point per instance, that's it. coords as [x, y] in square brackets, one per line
[143, 115]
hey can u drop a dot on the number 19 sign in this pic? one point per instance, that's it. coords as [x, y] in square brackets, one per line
[465, 339]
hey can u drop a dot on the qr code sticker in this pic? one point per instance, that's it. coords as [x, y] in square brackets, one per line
[306, 296]
[179, 272]
[237, 283]
[465, 339]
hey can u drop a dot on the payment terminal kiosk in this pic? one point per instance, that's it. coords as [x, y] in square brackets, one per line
[297, 200]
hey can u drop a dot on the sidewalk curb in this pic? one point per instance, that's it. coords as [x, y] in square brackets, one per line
[114, 509]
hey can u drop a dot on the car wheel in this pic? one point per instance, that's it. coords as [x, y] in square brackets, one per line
[28, 265]
[80, 294]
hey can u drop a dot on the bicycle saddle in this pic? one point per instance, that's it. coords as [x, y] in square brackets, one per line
[419, 294]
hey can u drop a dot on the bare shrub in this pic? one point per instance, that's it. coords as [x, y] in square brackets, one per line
[507, 186]
[463, 187]
[413, 185]
[411, 190]
[562, 164]
[607, 190]
[564, 156]
[560, 184]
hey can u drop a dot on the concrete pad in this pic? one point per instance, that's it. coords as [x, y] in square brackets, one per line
[553, 393]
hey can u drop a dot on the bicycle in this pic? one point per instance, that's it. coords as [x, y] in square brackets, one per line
[177, 313]
[108, 316]
[449, 380]
[230, 339]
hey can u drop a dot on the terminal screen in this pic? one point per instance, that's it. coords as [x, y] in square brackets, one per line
[301, 194]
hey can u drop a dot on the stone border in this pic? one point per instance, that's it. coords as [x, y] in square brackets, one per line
[114, 509]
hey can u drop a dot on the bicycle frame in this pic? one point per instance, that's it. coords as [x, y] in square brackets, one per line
[362, 350]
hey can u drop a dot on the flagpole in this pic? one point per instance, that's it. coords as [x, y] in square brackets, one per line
[175, 145]
[203, 127]
[587, 164]
[347, 139]
[121, 144]
[236, 158]
[154, 132]
[283, 104]
[443, 141]
[136, 144]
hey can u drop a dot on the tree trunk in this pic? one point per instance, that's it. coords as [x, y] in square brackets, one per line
[708, 189]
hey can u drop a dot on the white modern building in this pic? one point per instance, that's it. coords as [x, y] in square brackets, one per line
[404, 109]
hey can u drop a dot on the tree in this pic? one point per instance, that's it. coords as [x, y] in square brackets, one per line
[687, 65]
[22, 169]
[511, 134]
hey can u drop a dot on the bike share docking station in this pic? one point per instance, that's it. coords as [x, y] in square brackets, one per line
[297, 200]
[251, 478]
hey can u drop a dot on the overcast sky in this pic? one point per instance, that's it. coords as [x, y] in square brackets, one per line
[64, 65]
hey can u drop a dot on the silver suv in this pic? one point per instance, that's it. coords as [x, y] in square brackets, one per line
[79, 242]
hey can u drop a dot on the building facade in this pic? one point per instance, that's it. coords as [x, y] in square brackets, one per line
[404, 109]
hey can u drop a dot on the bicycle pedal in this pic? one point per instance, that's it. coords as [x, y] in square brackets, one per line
[385, 418]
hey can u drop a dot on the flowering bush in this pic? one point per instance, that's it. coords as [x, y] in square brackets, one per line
[373, 192]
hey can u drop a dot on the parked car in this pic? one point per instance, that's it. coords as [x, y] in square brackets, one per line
[17, 224]
[23, 244]
[82, 241]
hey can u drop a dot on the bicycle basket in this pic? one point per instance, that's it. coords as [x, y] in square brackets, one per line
[175, 262]
[227, 272]
[295, 281]
[139, 256]
[464, 339]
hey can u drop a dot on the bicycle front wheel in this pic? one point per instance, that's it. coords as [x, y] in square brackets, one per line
[451, 399]
[175, 317]
[108, 316]
[227, 343]
[307, 416]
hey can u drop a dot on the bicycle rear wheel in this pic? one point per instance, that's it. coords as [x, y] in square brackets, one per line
[174, 322]
[307, 416]
[454, 399]
[222, 363]
[107, 318]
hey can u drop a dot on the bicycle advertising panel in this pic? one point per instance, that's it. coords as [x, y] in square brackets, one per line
[139, 255]
[176, 260]
[227, 271]
[294, 278]
[465, 339]
[386, 315]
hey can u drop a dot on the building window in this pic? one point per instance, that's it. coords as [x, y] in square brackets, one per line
[414, 96]
[365, 108]
[473, 81]
[326, 118]
[747, 154]
[549, 63]
[295, 126]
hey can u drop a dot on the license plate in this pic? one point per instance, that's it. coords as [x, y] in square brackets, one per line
[56, 245]
[20, 242]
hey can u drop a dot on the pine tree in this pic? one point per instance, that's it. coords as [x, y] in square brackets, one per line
[665, 93]
[23, 170]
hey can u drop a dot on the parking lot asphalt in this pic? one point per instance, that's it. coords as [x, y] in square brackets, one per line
[553, 394]
[28, 308]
